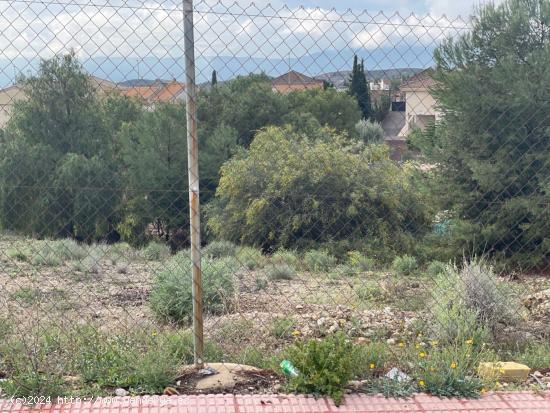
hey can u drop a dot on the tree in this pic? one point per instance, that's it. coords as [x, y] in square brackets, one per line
[58, 174]
[369, 132]
[214, 78]
[359, 87]
[289, 191]
[492, 146]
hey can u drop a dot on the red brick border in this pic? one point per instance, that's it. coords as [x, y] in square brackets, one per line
[520, 402]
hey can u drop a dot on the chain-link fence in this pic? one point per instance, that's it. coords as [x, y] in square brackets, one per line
[380, 176]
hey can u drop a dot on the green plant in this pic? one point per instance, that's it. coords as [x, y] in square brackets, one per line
[319, 261]
[220, 249]
[536, 355]
[282, 327]
[371, 358]
[360, 261]
[287, 257]
[280, 272]
[369, 291]
[251, 258]
[67, 249]
[26, 296]
[390, 388]
[343, 270]
[325, 366]
[19, 254]
[405, 265]
[44, 256]
[436, 268]
[369, 132]
[261, 283]
[171, 297]
[155, 251]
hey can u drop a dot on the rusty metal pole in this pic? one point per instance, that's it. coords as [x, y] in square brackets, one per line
[193, 172]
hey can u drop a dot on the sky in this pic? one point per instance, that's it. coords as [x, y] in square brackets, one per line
[118, 36]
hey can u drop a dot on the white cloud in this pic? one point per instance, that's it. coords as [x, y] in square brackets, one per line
[453, 8]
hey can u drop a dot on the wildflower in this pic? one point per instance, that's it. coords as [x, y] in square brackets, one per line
[453, 365]
[422, 383]
[422, 355]
[401, 344]
[434, 343]
[483, 390]
[154, 333]
[417, 346]
[470, 341]
[371, 366]
[296, 333]
[432, 369]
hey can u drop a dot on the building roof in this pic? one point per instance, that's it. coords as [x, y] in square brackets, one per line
[295, 78]
[421, 81]
[159, 91]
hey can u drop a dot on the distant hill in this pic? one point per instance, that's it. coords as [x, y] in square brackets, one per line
[137, 82]
[340, 78]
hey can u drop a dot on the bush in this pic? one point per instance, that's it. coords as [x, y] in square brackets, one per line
[343, 271]
[325, 366]
[371, 358]
[360, 261]
[436, 268]
[369, 132]
[171, 296]
[472, 299]
[251, 258]
[319, 261]
[155, 251]
[46, 257]
[220, 249]
[68, 249]
[287, 257]
[281, 272]
[18, 254]
[282, 327]
[364, 193]
[405, 265]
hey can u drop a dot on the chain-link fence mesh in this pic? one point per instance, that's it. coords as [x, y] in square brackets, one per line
[359, 173]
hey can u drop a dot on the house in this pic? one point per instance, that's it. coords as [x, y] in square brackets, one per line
[158, 91]
[293, 80]
[14, 93]
[420, 109]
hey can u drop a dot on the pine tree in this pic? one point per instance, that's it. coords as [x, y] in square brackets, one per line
[359, 87]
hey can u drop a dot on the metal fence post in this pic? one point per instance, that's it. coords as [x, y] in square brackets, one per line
[193, 171]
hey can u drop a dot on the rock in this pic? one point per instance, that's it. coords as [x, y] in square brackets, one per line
[170, 391]
[355, 384]
[396, 374]
[390, 341]
[545, 379]
[208, 371]
[538, 305]
[538, 374]
[121, 392]
[321, 321]
[504, 371]
[299, 307]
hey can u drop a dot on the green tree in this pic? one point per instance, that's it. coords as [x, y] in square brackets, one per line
[58, 174]
[290, 191]
[492, 146]
[359, 88]
[214, 78]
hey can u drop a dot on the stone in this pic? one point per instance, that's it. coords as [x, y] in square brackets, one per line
[538, 374]
[121, 392]
[504, 371]
[396, 374]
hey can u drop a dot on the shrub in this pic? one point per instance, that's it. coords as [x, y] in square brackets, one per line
[171, 296]
[68, 249]
[18, 254]
[282, 327]
[325, 366]
[220, 249]
[343, 271]
[46, 257]
[251, 258]
[436, 268]
[364, 193]
[287, 257]
[155, 251]
[319, 261]
[261, 283]
[281, 272]
[371, 358]
[472, 298]
[360, 261]
[405, 265]
[369, 132]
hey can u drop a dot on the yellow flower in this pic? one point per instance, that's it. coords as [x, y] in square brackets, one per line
[296, 333]
[154, 333]
[401, 344]
[432, 369]
[417, 346]
[422, 355]
[434, 343]
[371, 366]
[483, 390]
[470, 341]
[453, 365]
[422, 383]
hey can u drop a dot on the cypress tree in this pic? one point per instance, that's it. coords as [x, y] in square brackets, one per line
[359, 87]
[214, 78]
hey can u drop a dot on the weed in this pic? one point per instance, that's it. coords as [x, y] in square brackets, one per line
[390, 388]
[18, 254]
[261, 283]
[435, 269]
[282, 327]
[250, 258]
[220, 249]
[360, 261]
[536, 355]
[46, 257]
[319, 261]
[405, 265]
[171, 297]
[343, 270]
[67, 249]
[325, 366]
[122, 268]
[287, 257]
[26, 296]
[155, 251]
[371, 358]
[281, 272]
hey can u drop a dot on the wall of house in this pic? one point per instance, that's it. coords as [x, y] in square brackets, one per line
[7, 98]
[420, 104]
